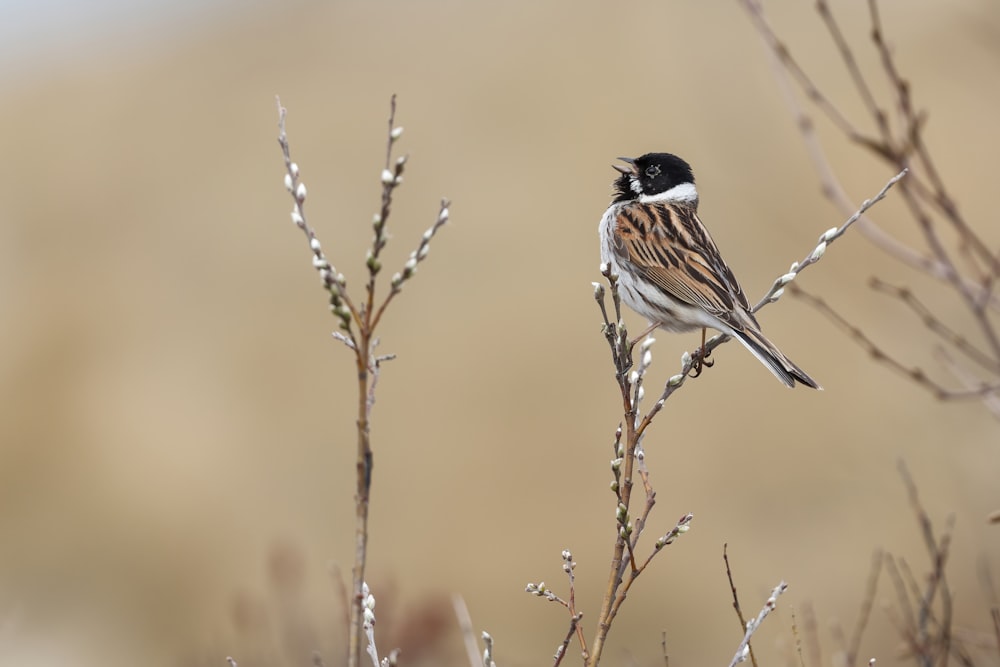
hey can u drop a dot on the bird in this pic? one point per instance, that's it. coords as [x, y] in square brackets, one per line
[669, 269]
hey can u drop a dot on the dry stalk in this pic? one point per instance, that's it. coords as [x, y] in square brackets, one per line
[358, 321]
[953, 251]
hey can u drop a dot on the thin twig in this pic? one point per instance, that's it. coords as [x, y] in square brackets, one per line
[465, 627]
[881, 356]
[810, 627]
[754, 624]
[736, 598]
[541, 590]
[969, 382]
[488, 651]
[811, 91]
[337, 575]
[416, 257]
[847, 55]
[333, 282]
[569, 567]
[938, 551]
[995, 616]
[561, 651]
[934, 324]
[989, 588]
[798, 640]
[827, 239]
[864, 614]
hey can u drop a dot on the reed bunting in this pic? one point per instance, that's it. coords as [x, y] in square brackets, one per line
[669, 268]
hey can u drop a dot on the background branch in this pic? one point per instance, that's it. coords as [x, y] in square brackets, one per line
[954, 251]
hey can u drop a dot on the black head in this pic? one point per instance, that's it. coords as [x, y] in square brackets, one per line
[651, 174]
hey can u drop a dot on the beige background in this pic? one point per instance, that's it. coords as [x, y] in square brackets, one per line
[175, 415]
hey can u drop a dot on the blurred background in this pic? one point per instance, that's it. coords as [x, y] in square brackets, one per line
[176, 423]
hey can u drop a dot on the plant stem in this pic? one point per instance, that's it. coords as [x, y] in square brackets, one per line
[608, 607]
[364, 480]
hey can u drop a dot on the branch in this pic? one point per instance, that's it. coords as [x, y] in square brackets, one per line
[468, 634]
[689, 360]
[883, 357]
[743, 651]
[358, 324]
[736, 598]
[783, 65]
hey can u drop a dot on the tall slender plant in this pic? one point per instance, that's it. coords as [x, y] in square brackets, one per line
[358, 320]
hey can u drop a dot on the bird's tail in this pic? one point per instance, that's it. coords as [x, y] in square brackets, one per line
[772, 357]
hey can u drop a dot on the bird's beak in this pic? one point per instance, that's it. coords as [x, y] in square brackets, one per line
[629, 170]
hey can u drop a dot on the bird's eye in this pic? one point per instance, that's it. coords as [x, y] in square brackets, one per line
[653, 171]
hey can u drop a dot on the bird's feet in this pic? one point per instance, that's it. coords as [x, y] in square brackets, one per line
[701, 362]
[701, 357]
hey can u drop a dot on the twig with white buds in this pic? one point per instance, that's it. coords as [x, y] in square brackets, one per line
[743, 651]
[574, 627]
[540, 590]
[488, 651]
[689, 360]
[358, 322]
[628, 456]
[417, 256]
[368, 604]
[825, 239]
[333, 282]
[543, 591]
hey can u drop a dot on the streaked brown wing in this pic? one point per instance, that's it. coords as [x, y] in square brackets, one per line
[667, 245]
